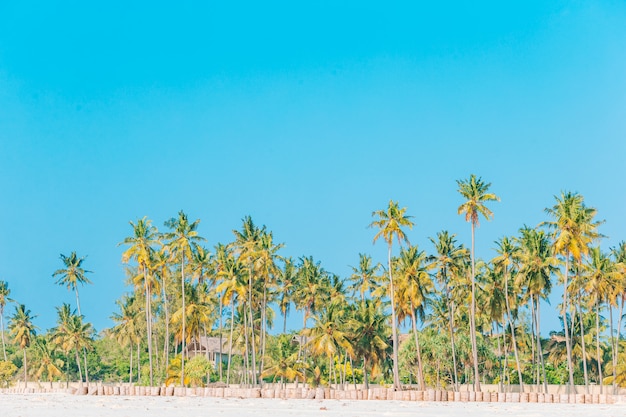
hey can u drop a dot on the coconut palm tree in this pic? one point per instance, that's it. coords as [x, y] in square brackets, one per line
[47, 364]
[286, 286]
[449, 258]
[142, 244]
[75, 334]
[536, 268]
[391, 223]
[476, 194]
[364, 277]
[601, 276]
[72, 275]
[4, 298]
[574, 229]
[127, 330]
[414, 287]
[182, 236]
[22, 329]
[369, 335]
[619, 257]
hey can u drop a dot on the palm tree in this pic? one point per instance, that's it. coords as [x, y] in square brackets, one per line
[127, 328]
[4, 297]
[619, 257]
[142, 244]
[601, 276]
[369, 335]
[574, 229]
[507, 256]
[48, 365]
[181, 237]
[282, 361]
[286, 286]
[391, 223]
[364, 278]
[77, 335]
[72, 275]
[476, 194]
[536, 268]
[22, 329]
[414, 286]
[449, 257]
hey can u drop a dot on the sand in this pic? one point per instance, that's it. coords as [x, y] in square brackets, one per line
[65, 405]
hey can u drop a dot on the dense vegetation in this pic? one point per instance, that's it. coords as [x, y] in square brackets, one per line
[468, 320]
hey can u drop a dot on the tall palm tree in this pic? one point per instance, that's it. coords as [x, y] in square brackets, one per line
[449, 258]
[127, 330]
[181, 238]
[70, 276]
[4, 298]
[476, 193]
[77, 335]
[142, 244]
[507, 256]
[619, 257]
[286, 286]
[536, 268]
[22, 329]
[574, 229]
[414, 287]
[391, 223]
[601, 277]
[369, 335]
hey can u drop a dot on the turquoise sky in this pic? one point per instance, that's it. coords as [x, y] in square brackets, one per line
[307, 116]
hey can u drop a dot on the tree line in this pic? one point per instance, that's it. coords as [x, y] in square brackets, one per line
[467, 320]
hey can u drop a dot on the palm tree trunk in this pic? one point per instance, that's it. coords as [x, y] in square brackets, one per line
[613, 350]
[182, 287]
[452, 344]
[420, 370]
[148, 320]
[80, 373]
[598, 356]
[540, 349]
[510, 320]
[394, 329]
[84, 349]
[26, 369]
[252, 342]
[230, 338]
[473, 319]
[531, 307]
[4, 349]
[130, 377]
[583, 344]
[365, 381]
[166, 342]
[221, 367]
[568, 345]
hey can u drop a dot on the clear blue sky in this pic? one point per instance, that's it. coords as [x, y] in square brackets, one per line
[307, 116]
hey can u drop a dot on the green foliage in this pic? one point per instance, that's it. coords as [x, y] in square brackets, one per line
[198, 371]
[7, 372]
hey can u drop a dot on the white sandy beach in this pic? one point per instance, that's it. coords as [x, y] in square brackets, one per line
[65, 405]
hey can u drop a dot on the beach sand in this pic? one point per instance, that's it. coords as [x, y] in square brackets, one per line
[65, 405]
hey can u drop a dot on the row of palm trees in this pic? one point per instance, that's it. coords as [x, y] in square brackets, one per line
[182, 291]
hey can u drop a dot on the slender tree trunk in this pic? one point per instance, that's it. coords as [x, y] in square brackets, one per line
[510, 320]
[4, 349]
[252, 342]
[420, 371]
[130, 376]
[394, 330]
[84, 349]
[583, 344]
[26, 369]
[613, 351]
[148, 320]
[540, 349]
[138, 363]
[452, 344]
[221, 367]
[166, 342]
[365, 381]
[568, 344]
[230, 338]
[182, 288]
[473, 318]
[80, 373]
[263, 331]
[598, 355]
[531, 307]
